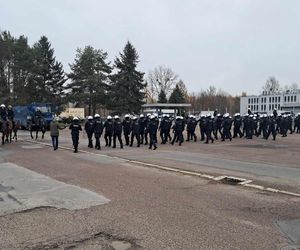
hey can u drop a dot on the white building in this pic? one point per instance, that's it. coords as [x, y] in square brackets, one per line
[265, 103]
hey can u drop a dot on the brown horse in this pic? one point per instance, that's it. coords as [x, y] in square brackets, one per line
[6, 128]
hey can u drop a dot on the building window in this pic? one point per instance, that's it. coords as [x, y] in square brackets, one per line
[270, 99]
[278, 98]
[278, 106]
[288, 98]
[273, 99]
[295, 98]
[248, 100]
[269, 106]
[285, 99]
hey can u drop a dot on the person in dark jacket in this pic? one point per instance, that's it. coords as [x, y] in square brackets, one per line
[10, 113]
[117, 131]
[126, 128]
[284, 125]
[226, 125]
[271, 127]
[209, 123]
[163, 127]
[3, 113]
[152, 130]
[297, 124]
[108, 125]
[135, 131]
[75, 128]
[142, 128]
[97, 129]
[202, 127]
[88, 127]
[237, 124]
[178, 130]
[191, 127]
[54, 132]
[146, 132]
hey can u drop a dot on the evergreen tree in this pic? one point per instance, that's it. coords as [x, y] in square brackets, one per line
[22, 66]
[47, 77]
[127, 88]
[89, 78]
[6, 62]
[177, 96]
[162, 98]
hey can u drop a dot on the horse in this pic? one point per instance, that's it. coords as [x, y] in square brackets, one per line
[6, 128]
[16, 127]
[38, 124]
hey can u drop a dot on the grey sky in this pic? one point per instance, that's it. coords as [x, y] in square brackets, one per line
[232, 44]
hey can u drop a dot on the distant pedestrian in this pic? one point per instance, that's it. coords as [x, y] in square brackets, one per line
[54, 132]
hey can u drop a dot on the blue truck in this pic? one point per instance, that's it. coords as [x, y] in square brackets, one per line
[24, 113]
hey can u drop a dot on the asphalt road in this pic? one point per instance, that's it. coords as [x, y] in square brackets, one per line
[146, 208]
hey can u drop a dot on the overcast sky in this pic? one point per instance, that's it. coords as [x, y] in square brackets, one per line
[231, 44]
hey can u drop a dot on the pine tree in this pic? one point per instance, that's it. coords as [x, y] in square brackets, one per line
[127, 88]
[47, 77]
[89, 78]
[177, 96]
[162, 98]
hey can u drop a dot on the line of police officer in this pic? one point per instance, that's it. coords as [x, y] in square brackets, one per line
[144, 129]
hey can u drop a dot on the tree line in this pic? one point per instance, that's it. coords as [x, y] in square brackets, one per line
[34, 74]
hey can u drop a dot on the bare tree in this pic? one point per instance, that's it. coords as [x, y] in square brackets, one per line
[161, 78]
[272, 85]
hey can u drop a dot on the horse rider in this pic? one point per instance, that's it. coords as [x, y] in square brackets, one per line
[3, 113]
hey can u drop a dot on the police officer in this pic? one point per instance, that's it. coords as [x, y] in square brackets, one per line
[164, 126]
[127, 128]
[202, 126]
[290, 123]
[271, 127]
[237, 124]
[142, 128]
[226, 125]
[146, 132]
[263, 125]
[117, 131]
[152, 130]
[192, 124]
[108, 125]
[88, 127]
[209, 128]
[75, 128]
[218, 126]
[178, 130]
[3, 112]
[284, 125]
[297, 124]
[135, 131]
[97, 129]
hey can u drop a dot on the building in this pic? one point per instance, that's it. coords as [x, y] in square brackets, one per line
[165, 108]
[266, 102]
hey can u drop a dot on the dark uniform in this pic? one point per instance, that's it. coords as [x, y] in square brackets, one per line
[117, 132]
[209, 124]
[142, 128]
[152, 130]
[164, 129]
[202, 127]
[178, 128]
[191, 126]
[75, 128]
[108, 125]
[10, 114]
[88, 127]
[271, 127]
[127, 129]
[98, 129]
[297, 124]
[237, 124]
[226, 125]
[146, 132]
[135, 131]
[3, 114]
